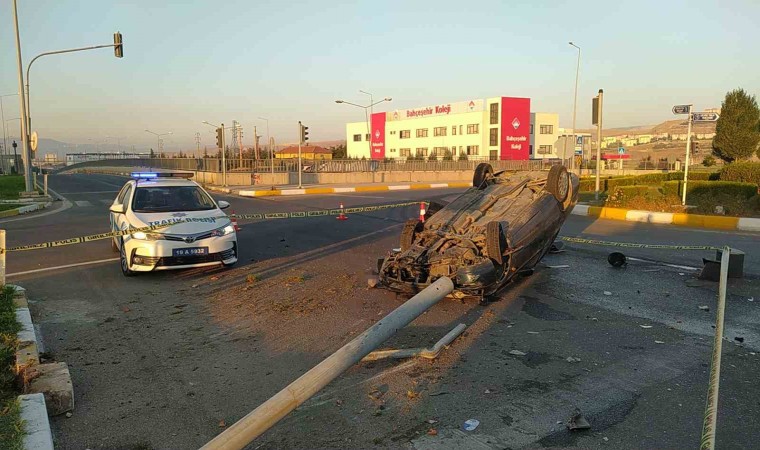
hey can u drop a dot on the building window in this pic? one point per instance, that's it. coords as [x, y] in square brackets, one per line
[544, 149]
[405, 134]
[405, 152]
[530, 149]
[472, 128]
[439, 131]
[493, 138]
[422, 151]
[440, 151]
[460, 129]
[547, 129]
[494, 113]
[366, 136]
[453, 130]
[472, 150]
[357, 138]
[454, 150]
[393, 150]
[393, 132]
[531, 128]
[422, 132]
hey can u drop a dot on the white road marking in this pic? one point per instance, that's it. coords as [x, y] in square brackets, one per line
[83, 203]
[106, 201]
[67, 266]
[676, 266]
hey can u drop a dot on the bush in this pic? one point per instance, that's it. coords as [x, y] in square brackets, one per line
[708, 161]
[463, 156]
[740, 191]
[747, 172]
[646, 198]
[612, 183]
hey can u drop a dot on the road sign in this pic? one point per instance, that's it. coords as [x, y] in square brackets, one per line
[704, 117]
[681, 109]
[33, 142]
[621, 150]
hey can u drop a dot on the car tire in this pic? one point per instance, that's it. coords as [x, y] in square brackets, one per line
[482, 174]
[407, 234]
[558, 183]
[495, 242]
[124, 262]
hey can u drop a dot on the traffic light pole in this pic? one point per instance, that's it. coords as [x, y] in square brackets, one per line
[22, 106]
[300, 141]
[224, 160]
[686, 167]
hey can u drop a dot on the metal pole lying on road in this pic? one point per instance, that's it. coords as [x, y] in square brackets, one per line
[270, 412]
[711, 411]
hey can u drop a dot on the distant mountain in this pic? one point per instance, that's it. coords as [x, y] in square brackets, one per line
[669, 126]
[59, 148]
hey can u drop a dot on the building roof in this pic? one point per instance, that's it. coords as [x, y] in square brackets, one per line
[305, 149]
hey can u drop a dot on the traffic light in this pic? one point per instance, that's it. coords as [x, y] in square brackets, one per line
[219, 137]
[304, 133]
[694, 147]
[118, 47]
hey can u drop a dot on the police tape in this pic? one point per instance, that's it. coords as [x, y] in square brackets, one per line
[636, 245]
[170, 222]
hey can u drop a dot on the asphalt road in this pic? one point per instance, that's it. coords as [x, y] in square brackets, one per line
[167, 360]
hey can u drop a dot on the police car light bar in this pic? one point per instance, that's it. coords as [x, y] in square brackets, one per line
[148, 175]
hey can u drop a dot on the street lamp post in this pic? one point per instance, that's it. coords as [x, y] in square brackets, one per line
[575, 108]
[271, 150]
[158, 138]
[26, 150]
[366, 115]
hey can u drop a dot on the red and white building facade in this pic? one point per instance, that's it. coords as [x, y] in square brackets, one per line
[497, 128]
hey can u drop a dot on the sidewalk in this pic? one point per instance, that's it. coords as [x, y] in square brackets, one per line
[315, 189]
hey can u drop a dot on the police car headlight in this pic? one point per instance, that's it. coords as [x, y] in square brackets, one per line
[224, 231]
[142, 236]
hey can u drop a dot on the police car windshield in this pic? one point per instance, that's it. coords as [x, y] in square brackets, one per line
[154, 199]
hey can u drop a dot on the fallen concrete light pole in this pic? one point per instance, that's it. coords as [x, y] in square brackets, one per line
[427, 353]
[270, 412]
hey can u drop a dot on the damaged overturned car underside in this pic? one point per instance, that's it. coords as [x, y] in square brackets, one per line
[496, 230]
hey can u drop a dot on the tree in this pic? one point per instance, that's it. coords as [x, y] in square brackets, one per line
[708, 161]
[339, 151]
[447, 156]
[152, 153]
[737, 132]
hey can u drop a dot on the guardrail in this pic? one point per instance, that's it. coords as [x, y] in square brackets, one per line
[315, 166]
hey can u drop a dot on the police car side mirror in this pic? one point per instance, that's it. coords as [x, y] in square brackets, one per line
[223, 205]
[118, 208]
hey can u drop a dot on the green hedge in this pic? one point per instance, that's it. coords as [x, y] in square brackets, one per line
[632, 191]
[710, 188]
[651, 179]
[747, 172]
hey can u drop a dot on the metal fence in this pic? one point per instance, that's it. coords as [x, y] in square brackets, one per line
[316, 166]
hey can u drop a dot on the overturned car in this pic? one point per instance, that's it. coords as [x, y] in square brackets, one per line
[496, 230]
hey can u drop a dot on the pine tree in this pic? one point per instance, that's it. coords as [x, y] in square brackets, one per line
[737, 133]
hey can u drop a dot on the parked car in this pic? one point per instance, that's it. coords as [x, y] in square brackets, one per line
[496, 230]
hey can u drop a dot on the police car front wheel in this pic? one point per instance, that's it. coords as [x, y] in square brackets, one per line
[124, 262]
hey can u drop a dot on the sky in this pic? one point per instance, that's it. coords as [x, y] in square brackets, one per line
[190, 61]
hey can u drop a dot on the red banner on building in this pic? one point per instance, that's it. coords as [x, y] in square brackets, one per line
[515, 128]
[377, 135]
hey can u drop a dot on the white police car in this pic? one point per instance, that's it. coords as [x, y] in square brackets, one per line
[197, 234]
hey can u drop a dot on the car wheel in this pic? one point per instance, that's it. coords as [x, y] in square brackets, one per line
[495, 242]
[114, 247]
[558, 183]
[482, 174]
[124, 262]
[407, 234]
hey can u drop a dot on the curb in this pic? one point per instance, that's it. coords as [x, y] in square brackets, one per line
[337, 190]
[24, 209]
[52, 379]
[686, 220]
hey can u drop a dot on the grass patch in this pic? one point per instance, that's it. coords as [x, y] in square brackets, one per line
[7, 206]
[11, 426]
[10, 186]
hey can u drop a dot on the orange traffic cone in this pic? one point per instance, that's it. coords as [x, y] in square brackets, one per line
[422, 212]
[342, 216]
[233, 219]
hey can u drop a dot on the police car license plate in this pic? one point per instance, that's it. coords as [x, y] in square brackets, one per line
[190, 251]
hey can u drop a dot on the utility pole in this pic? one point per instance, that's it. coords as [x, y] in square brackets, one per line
[300, 141]
[686, 166]
[255, 143]
[198, 142]
[597, 116]
[26, 153]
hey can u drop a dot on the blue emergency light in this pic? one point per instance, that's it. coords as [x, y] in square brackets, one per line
[149, 175]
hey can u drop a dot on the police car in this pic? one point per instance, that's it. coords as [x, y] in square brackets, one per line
[197, 232]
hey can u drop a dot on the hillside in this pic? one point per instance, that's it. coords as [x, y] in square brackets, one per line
[677, 126]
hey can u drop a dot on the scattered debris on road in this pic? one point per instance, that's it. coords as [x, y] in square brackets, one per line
[371, 282]
[572, 359]
[471, 424]
[739, 339]
[659, 342]
[517, 353]
[578, 422]
[646, 327]
[704, 308]
[616, 259]
[432, 432]
[607, 293]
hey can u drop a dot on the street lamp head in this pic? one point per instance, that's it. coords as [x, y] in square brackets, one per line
[387, 99]
[338, 101]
